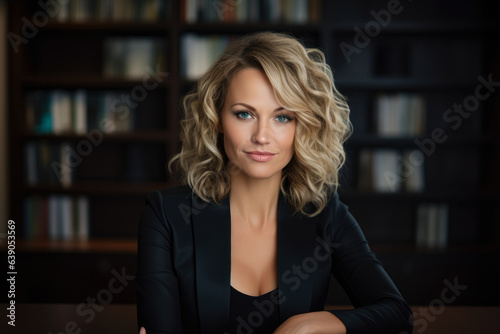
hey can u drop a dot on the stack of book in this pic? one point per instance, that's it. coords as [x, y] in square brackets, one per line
[49, 163]
[112, 10]
[199, 53]
[61, 111]
[388, 170]
[133, 57]
[432, 226]
[56, 217]
[289, 11]
[400, 115]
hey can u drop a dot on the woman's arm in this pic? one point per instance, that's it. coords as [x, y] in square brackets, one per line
[158, 306]
[379, 306]
[312, 323]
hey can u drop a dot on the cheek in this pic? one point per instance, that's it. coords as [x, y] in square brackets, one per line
[288, 139]
[232, 137]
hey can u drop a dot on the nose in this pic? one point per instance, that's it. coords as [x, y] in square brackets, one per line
[262, 133]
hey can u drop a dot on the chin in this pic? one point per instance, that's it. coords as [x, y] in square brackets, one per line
[262, 173]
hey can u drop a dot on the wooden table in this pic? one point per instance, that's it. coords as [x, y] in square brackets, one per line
[122, 319]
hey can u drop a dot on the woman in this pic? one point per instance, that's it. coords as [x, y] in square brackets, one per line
[248, 245]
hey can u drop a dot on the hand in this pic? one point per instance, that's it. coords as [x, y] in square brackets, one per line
[142, 331]
[312, 322]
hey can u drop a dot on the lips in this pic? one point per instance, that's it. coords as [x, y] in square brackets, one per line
[260, 153]
[260, 156]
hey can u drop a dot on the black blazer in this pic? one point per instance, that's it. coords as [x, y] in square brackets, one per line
[183, 278]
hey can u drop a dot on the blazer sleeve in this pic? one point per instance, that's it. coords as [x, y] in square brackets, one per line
[379, 306]
[158, 305]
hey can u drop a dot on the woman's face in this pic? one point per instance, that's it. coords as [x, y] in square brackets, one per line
[253, 121]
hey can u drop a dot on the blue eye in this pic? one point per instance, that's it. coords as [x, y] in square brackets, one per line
[284, 118]
[239, 113]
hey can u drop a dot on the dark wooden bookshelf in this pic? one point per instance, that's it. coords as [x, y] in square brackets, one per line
[86, 81]
[462, 172]
[79, 246]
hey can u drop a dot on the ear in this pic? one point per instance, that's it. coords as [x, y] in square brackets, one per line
[221, 129]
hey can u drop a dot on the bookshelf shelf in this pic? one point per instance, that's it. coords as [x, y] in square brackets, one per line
[100, 188]
[404, 84]
[398, 28]
[409, 142]
[79, 246]
[85, 81]
[133, 136]
[117, 27]
[403, 196]
[241, 28]
[450, 250]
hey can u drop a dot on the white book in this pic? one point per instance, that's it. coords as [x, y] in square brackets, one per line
[411, 124]
[414, 181]
[80, 111]
[65, 111]
[301, 11]
[385, 171]
[404, 110]
[395, 115]
[138, 55]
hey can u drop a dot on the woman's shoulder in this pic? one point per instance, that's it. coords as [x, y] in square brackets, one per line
[169, 196]
[335, 209]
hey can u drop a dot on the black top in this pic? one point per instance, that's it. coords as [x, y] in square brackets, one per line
[253, 314]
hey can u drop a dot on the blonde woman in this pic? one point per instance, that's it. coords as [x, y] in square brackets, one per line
[250, 240]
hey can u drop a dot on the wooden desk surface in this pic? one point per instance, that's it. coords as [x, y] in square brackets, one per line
[121, 318]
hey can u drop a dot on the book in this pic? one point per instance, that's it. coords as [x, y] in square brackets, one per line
[129, 57]
[289, 11]
[389, 170]
[431, 230]
[199, 53]
[400, 115]
[79, 109]
[56, 217]
[112, 10]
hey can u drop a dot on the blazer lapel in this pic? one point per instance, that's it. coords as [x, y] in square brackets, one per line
[212, 244]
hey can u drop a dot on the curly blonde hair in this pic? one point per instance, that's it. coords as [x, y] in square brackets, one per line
[303, 83]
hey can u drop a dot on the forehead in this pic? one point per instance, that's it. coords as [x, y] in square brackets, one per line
[250, 83]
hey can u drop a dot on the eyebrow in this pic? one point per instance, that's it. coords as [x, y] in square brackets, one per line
[253, 109]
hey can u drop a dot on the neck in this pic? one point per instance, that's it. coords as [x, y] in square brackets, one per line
[254, 202]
